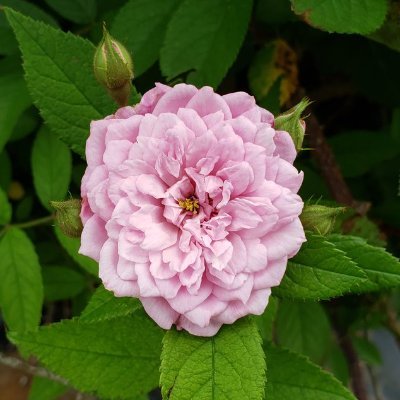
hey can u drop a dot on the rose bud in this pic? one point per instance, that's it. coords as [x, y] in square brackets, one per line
[291, 122]
[320, 219]
[67, 216]
[113, 68]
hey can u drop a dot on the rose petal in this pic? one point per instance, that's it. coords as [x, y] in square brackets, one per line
[174, 99]
[285, 146]
[205, 102]
[159, 309]
[108, 272]
[159, 236]
[93, 237]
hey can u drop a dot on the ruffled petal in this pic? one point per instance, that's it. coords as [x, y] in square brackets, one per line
[109, 259]
[284, 242]
[174, 99]
[159, 309]
[285, 146]
[206, 102]
[93, 237]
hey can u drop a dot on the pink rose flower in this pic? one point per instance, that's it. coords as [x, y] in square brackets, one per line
[190, 204]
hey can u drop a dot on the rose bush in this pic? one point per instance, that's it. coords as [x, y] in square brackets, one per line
[190, 204]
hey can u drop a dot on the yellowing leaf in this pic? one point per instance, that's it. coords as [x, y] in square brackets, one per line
[276, 60]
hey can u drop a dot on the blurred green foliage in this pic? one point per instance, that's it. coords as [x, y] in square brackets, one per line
[344, 55]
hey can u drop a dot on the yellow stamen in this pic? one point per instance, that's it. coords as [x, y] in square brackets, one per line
[190, 204]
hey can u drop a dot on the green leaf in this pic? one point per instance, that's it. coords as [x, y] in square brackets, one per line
[45, 389]
[365, 59]
[382, 269]
[336, 363]
[5, 168]
[8, 43]
[204, 36]
[61, 283]
[14, 99]
[11, 64]
[395, 123]
[368, 230]
[229, 365]
[274, 12]
[29, 9]
[313, 185]
[274, 64]
[59, 73]
[320, 271]
[292, 377]
[389, 33]
[271, 101]
[342, 16]
[304, 328]
[49, 253]
[265, 321]
[140, 22]
[264, 71]
[51, 167]
[358, 152]
[79, 11]
[5, 209]
[21, 289]
[23, 209]
[115, 359]
[26, 124]
[104, 306]
[71, 246]
[367, 351]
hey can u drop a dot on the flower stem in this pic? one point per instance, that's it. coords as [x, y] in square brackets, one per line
[29, 224]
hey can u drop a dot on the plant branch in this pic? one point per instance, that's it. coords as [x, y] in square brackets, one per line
[83, 396]
[327, 163]
[30, 369]
[29, 224]
[34, 222]
[375, 384]
[357, 378]
[392, 323]
[25, 367]
[324, 156]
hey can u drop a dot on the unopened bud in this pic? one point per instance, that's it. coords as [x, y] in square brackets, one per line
[291, 122]
[113, 68]
[67, 216]
[320, 219]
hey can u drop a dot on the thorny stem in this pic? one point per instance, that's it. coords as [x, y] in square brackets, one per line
[323, 154]
[327, 163]
[392, 322]
[29, 224]
[27, 368]
[326, 159]
[340, 191]
[375, 384]
[357, 379]
[83, 396]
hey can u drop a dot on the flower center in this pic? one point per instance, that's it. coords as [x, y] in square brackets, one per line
[189, 204]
